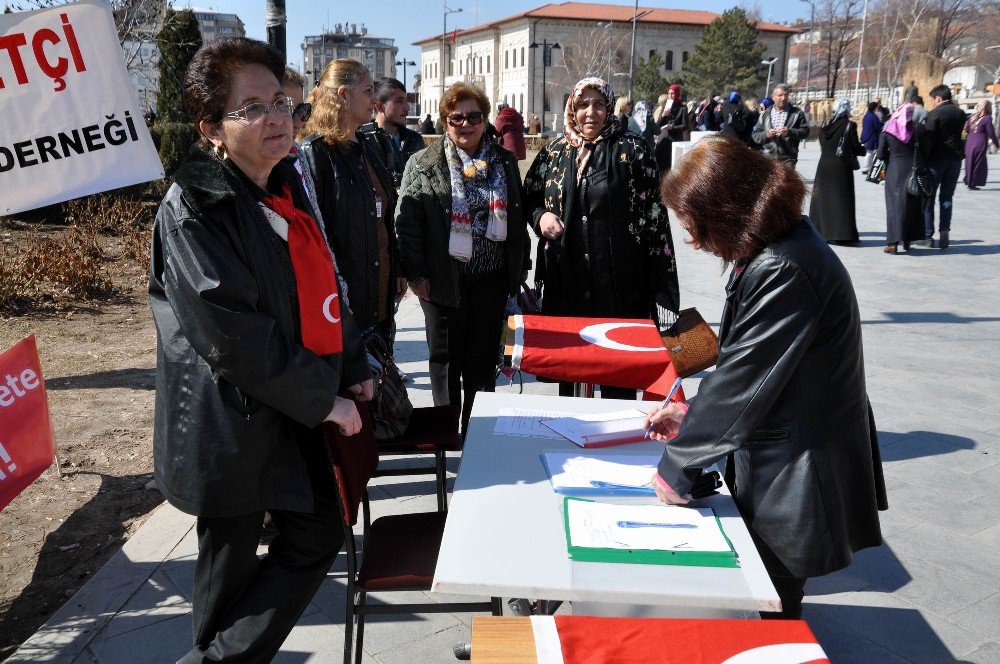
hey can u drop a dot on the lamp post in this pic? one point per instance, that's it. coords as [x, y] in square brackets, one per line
[546, 61]
[631, 58]
[444, 34]
[770, 65]
[405, 63]
[809, 58]
[610, 25]
[861, 48]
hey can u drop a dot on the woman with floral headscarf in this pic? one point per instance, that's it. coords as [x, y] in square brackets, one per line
[831, 208]
[593, 262]
[897, 147]
[979, 127]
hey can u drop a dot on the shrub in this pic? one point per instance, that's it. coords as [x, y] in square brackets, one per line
[173, 140]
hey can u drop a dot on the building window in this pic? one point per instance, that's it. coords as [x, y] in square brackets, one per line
[481, 70]
[487, 64]
[684, 59]
[522, 56]
[668, 62]
[459, 67]
[652, 52]
[522, 102]
[506, 60]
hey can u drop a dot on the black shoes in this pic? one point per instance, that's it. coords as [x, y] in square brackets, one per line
[945, 240]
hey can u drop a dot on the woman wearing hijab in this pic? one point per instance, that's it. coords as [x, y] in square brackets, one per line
[903, 212]
[641, 123]
[831, 209]
[674, 126]
[980, 130]
[593, 262]
[871, 128]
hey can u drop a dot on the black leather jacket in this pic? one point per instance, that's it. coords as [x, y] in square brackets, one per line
[787, 404]
[347, 203]
[394, 157]
[235, 389]
[943, 138]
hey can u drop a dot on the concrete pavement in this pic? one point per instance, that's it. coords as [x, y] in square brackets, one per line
[931, 593]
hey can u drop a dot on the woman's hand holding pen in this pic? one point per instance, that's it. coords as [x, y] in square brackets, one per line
[665, 421]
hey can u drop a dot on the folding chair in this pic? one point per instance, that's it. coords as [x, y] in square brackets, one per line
[399, 552]
[432, 430]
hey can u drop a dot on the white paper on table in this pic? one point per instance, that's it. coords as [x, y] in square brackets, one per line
[595, 428]
[569, 471]
[595, 525]
[527, 422]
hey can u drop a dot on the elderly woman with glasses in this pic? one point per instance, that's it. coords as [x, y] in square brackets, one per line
[355, 192]
[464, 243]
[253, 353]
[605, 248]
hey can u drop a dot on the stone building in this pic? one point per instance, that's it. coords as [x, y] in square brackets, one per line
[593, 39]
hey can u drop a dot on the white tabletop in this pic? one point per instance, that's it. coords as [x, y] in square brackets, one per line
[505, 536]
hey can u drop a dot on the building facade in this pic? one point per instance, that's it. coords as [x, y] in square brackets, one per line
[378, 54]
[498, 57]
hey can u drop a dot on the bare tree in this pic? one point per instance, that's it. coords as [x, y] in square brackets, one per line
[601, 51]
[839, 22]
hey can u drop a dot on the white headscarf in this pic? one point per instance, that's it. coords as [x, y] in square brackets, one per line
[640, 114]
[841, 109]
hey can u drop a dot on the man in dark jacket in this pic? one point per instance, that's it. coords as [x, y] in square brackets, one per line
[510, 130]
[736, 119]
[392, 139]
[427, 126]
[943, 150]
[780, 129]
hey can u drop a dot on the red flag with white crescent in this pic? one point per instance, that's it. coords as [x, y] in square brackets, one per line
[622, 352]
[587, 640]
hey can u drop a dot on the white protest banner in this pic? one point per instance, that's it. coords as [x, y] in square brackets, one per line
[71, 125]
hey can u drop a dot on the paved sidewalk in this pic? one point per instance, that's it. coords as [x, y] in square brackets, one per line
[930, 594]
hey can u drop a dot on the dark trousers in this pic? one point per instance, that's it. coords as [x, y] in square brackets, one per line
[245, 606]
[607, 391]
[464, 343]
[946, 171]
[791, 590]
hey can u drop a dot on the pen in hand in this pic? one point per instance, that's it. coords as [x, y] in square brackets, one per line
[670, 394]
[653, 524]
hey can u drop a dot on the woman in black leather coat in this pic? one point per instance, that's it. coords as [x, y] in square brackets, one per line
[786, 404]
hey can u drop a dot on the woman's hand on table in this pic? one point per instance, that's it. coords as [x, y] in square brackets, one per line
[363, 391]
[666, 421]
[345, 416]
[665, 493]
[551, 225]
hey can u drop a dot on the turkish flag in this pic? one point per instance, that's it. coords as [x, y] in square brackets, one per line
[27, 447]
[622, 352]
[586, 640]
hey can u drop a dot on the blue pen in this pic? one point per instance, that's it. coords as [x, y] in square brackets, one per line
[600, 484]
[670, 394]
[648, 524]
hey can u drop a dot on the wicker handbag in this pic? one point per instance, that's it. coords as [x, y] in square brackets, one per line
[692, 343]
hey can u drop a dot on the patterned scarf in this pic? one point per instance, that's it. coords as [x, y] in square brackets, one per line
[572, 130]
[482, 166]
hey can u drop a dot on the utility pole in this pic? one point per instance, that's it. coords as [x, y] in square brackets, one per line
[809, 59]
[444, 34]
[274, 21]
[631, 57]
[861, 48]
[547, 49]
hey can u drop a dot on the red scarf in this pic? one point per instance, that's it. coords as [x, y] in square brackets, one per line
[315, 278]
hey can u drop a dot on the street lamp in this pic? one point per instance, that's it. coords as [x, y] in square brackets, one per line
[770, 65]
[404, 64]
[809, 60]
[610, 25]
[546, 61]
[444, 33]
[631, 58]
[861, 48]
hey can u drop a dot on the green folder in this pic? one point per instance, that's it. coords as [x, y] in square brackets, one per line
[648, 556]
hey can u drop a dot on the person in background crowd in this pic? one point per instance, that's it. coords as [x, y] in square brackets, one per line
[710, 114]
[253, 351]
[919, 112]
[673, 123]
[623, 111]
[464, 245]
[910, 93]
[897, 144]
[980, 131]
[394, 142]
[510, 129]
[787, 404]
[534, 125]
[871, 129]
[439, 127]
[943, 150]
[780, 129]
[150, 116]
[736, 119]
[605, 248]
[641, 124]
[661, 104]
[882, 111]
[765, 104]
[831, 207]
[355, 191]
[427, 126]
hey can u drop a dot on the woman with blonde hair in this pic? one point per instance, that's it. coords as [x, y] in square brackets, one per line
[355, 192]
[623, 110]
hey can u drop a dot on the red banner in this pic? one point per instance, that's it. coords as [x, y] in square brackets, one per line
[602, 351]
[686, 641]
[26, 444]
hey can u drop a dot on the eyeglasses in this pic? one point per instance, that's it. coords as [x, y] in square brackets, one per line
[255, 111]
[302, 111]
[474, 118]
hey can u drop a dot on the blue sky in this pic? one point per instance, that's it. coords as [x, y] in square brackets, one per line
[409, 20]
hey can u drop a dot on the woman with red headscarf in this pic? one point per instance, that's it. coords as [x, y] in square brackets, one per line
[673, 123]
